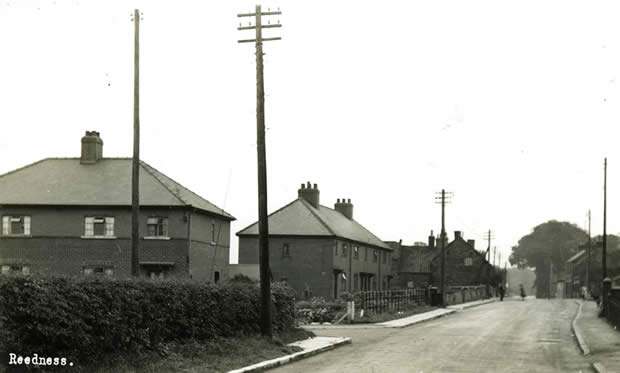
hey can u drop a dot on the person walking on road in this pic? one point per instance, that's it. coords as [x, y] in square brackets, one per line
[522, 291]
[501, 293]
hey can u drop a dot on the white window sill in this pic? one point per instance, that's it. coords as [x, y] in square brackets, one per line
[156, 237]
[98, 237]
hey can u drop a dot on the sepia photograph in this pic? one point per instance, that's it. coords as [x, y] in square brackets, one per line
[309, 186]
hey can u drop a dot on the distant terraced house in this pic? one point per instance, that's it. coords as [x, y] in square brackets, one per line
[319, 250]
[72, 216]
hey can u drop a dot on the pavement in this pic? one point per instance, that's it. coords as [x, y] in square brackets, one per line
[597, 338]
[404, 322]
[310, 346]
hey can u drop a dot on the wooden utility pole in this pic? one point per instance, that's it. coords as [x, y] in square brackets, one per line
[489, 237]
[494, 255]
[443, 201]
[263, 229]
[135, 166]
[605, 222]
[589, 248]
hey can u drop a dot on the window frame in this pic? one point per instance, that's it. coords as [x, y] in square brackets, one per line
[356, 252]
[161, 227]
[7, 225]
[90, 229]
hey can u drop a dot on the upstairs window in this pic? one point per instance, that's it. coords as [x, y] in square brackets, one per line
[157, 227]
[16, 225]
[375, 256]
[286, 251]
[344, 250]
[97, 226]
[356, 252]
[468, 261]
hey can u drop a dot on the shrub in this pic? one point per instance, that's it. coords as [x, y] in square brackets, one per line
[319, 310]
[85, 318]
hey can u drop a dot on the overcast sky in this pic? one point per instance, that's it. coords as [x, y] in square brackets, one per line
[510, 105]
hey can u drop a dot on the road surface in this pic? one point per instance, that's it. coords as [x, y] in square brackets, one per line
[509, 336]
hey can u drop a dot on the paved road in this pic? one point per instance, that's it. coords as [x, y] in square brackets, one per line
[509, 336]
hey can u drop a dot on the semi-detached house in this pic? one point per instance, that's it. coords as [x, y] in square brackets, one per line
[319, 250]
[72, 216]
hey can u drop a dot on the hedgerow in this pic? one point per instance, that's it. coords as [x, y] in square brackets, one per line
[84, 318]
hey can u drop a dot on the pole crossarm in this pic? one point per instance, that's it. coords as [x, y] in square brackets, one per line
[262, 26]
[254, 40]
[268, 13]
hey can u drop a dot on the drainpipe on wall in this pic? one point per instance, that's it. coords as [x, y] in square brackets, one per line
[379, 270]
[350, 268]
[189, 239]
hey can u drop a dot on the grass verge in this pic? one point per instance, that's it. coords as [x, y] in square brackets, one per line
[218, 355]
[393, 315]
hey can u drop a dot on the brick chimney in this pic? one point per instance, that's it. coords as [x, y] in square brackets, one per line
[92, 148]
[345, 208]
[431, 240]
[472, 243]
[457, 235]
[310, 194]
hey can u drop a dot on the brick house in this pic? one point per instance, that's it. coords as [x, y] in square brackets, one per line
[465, 266]
[577, 266]
[320, 250]
[411, 264]
[72, 216]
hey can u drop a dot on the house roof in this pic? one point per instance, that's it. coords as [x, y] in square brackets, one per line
[461, 241]
[67, 182]
[300, 218]
[417, 258]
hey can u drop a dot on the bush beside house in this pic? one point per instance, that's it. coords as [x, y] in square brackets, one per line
[84, 319]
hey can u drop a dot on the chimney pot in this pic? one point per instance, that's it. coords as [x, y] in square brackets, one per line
[316, 186]
[308, 186]
[457, 234]
[349, 200]
[303, 186]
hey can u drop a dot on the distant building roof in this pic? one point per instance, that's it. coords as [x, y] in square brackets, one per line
[68, 182]
[300, 218]
[576, 257]
[417, 258]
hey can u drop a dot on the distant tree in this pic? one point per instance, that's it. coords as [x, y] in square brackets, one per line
[553, 242]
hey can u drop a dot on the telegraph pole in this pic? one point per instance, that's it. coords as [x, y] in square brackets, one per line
[443, 202]
[494, 250]
[605, 222]
[589, 252]
[135, 165]
[489, 237]
[263, 229]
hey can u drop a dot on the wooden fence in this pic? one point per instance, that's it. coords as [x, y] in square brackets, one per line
[390, 300]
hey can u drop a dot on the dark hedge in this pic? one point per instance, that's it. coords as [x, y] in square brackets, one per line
[88, 318]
